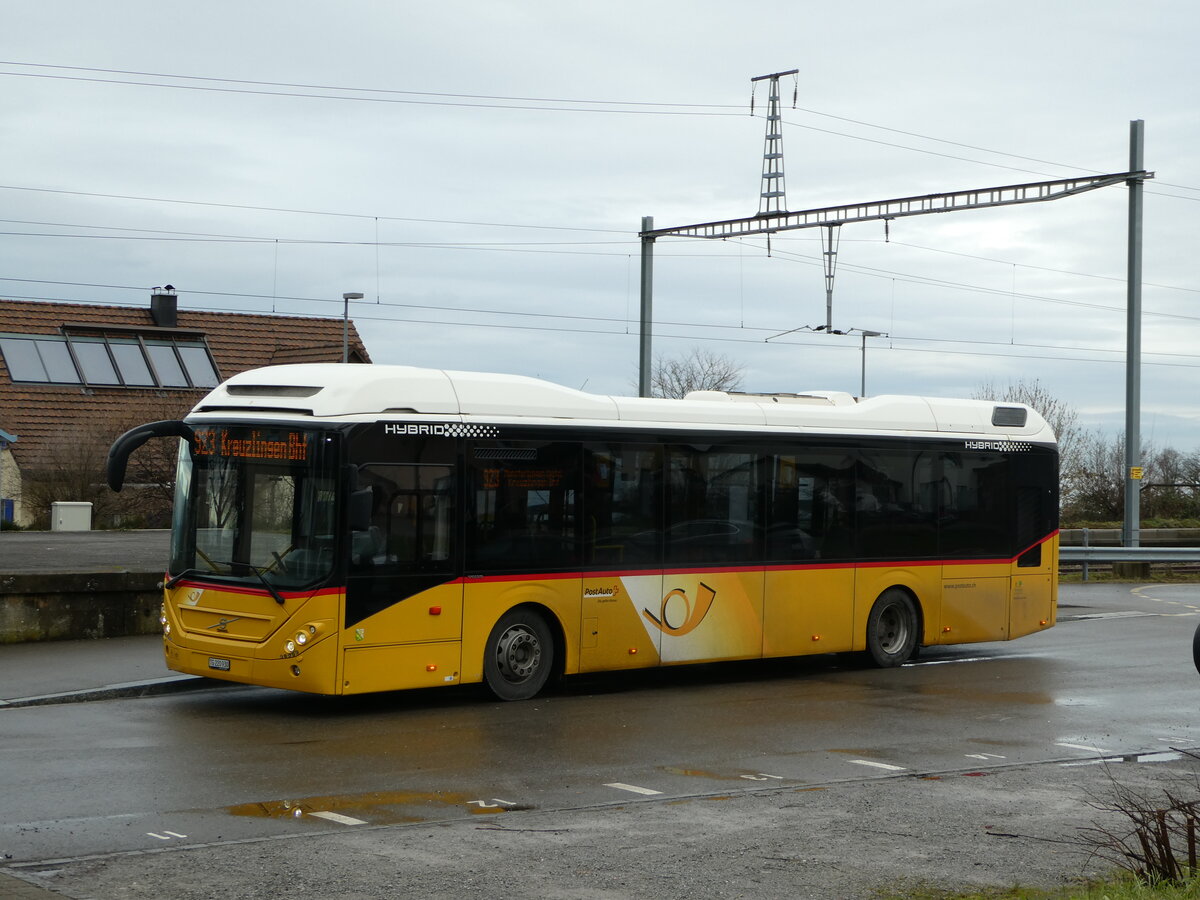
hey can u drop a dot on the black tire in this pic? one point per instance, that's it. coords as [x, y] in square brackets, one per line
[892, 629]
[1196, 648]
[519, 656]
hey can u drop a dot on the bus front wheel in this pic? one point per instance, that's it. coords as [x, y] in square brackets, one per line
[1196, 648]
[892, 629]
[519, 655]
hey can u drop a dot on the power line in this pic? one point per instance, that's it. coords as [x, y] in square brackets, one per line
[306, 212]
[758, 332]
[510, 102]
[787, 256]
[372, 99]
[906, 278]
[1009, 262]
[329, 87]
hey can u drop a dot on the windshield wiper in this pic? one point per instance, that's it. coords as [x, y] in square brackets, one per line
[186, 573]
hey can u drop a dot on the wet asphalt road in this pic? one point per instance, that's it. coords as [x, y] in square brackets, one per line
[107, 790]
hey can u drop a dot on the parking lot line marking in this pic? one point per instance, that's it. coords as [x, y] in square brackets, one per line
[1082, 747]
[632, 788]
[877, 765]
[337, 817]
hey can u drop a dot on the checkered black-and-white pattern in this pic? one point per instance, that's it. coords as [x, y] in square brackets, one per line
[455, 430]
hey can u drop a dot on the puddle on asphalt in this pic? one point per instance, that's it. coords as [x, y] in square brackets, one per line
[699, 773]
[376, 807]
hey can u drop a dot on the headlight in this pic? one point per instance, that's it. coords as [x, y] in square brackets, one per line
[290, 646]
[301, 638]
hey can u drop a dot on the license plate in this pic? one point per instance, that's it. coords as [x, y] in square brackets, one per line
[220, 664]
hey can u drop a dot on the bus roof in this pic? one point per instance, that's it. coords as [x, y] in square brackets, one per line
[357, 392]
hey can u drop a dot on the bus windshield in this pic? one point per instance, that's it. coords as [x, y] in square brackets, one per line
[257, 504]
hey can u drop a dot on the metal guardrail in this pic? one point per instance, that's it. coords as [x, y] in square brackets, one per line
[1089, 555]
[1128, 554]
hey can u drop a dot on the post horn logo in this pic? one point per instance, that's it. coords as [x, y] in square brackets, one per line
[692, 614]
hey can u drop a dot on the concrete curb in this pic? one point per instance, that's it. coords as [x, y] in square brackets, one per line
[170, 684]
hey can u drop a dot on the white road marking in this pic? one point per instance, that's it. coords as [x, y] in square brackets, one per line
[496, 803]
[175, 834]
[877, 765]
[337, 817]
[632, 788]
[161, 837]
[762, 776]
[1082, 747]
[984, 756]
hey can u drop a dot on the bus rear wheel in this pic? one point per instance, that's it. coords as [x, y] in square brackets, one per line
[892, 629]
[1196, 648]
[519, 656]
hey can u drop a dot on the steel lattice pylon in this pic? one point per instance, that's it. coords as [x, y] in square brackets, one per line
[773, 196]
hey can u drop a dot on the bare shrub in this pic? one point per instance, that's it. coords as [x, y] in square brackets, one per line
[1158, 841]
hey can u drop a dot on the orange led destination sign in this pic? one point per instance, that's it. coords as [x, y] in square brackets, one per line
[220, 442]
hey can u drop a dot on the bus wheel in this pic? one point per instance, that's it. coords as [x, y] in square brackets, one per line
[519, 656]
[1196, 648]
[892, 629]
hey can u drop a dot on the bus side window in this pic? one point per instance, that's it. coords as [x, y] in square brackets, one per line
[712, 506]
[906, 491]
[412, 520]
[623, 505]
[523, 507]
[811, 508]
[973, 523]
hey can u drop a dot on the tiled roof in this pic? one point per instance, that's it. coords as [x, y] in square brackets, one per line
[48, 417]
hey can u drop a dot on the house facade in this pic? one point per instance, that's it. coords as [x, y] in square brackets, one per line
[73, 376]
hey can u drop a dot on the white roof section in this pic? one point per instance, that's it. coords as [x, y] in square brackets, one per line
[364, 392]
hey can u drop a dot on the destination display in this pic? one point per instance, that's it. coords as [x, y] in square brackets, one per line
[289, 446]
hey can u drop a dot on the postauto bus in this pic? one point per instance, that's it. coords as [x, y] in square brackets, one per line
[340, 529]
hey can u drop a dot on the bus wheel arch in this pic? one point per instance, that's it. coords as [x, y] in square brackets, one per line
[523, 652]
[894, 628]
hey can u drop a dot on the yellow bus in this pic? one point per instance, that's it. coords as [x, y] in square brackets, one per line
[341, 529]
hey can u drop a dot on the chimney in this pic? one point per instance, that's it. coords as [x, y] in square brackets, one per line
[164, 307]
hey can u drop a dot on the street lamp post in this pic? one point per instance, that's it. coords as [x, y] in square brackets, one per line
[862, 391]
[346, 298]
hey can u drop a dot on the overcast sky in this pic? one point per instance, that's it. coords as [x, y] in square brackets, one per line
[479, 170]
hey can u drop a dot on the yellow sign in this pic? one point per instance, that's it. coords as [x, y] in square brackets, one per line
[1135, 473]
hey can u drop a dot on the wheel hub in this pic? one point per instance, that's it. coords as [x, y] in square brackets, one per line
[518, 654]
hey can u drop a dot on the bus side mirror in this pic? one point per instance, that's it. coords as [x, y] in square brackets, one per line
[118, 454]
[360, 509]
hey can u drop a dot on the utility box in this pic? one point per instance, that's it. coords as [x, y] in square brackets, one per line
[70, 516]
